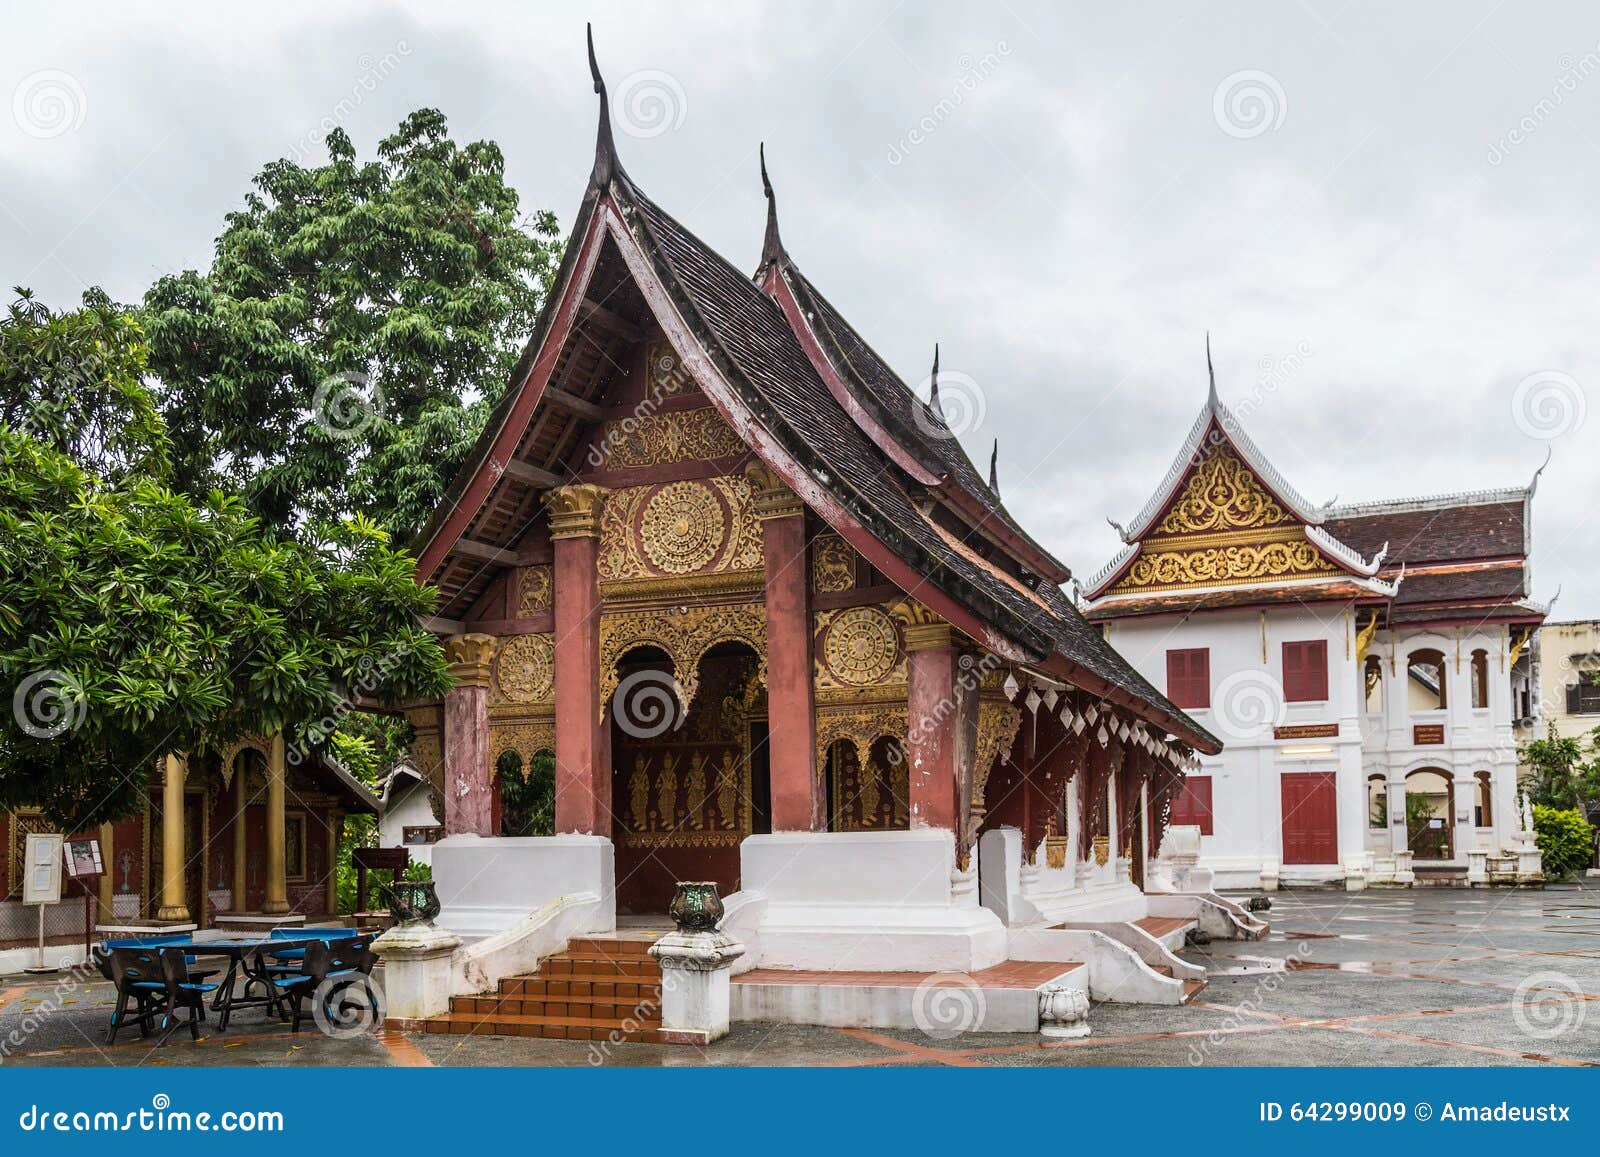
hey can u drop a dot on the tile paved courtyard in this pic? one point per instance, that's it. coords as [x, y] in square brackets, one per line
[1429, 976]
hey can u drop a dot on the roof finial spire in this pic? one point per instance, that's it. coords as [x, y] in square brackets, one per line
[606, 164]
[772, 244]
[1211, 395]
[933, 388]
[994, 460]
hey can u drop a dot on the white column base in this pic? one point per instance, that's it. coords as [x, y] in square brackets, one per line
[417, 975]
[695, 999]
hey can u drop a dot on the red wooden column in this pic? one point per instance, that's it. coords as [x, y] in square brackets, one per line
[583, 764]
[931, 721]
[468, 778]
[797, 801]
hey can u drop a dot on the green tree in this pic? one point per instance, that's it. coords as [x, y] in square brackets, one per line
[136, 621]
[356, 324]
[75, 381]
[1563, 772]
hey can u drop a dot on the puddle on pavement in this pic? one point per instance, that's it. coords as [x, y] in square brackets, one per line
[1264, 965]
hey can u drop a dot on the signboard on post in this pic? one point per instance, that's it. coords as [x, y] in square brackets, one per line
[41, 877]
[83, 859]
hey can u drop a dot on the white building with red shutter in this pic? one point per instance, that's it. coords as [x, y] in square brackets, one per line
[1363, 665]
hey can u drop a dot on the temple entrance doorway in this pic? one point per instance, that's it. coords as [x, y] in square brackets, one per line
[1430, 804]
[687, 785]
[870, 794]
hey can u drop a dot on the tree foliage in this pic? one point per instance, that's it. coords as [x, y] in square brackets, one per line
[74, 381]
[1564, 772]
[356, 323]
[136, 621]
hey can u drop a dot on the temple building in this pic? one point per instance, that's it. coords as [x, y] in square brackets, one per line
[1363, 663]
[778, 634]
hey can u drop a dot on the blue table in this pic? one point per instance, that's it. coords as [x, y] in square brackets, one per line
[245, 961]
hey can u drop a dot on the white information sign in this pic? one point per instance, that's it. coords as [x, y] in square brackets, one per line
[41, 876]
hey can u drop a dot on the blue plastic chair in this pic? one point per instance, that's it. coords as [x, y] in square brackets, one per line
[183, 992]
[139, 977]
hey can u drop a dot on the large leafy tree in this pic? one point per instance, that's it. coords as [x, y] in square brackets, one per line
[357, 321]
[136, 620]
[74, 380]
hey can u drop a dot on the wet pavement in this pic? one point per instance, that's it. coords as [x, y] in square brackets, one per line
[1427, 976]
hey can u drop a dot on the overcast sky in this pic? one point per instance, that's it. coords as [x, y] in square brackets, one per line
[1384, 214]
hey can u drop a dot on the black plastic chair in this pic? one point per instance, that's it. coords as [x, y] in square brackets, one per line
[344, 962]
[140, 978]
[183, 993]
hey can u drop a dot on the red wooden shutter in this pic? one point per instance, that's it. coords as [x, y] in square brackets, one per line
[1193, 804]
[1305, 671]
[1189, 677]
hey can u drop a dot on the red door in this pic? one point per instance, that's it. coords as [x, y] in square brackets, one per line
[1310, 818]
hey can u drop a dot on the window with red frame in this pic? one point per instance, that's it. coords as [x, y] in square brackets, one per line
[1189, 677]
[1192, 805]
[1305, 671]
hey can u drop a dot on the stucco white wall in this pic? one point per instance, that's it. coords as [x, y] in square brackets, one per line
[1246, 661]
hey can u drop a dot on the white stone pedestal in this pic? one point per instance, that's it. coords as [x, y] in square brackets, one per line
[1269, 876]
[1477, 867]
[1355, 875]
[695, 970]
[1063, 1011]
[417, 980]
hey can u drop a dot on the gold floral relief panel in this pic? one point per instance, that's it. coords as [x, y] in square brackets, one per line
[535, 589]
[698, 435]
[833, 564]
[685, 635]
[524, 669]
[527, 739]
[667, 376]
[1222, 493]
[858, 648]
[677, 529]
[1157, 570]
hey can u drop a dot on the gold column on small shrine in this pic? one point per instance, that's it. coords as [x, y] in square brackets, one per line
[241, 800]
[331, 882]
[174, 905]
[277, 898]
[107, 858]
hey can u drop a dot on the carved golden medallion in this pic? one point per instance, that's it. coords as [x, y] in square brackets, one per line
[525, 669]
[861, 646]
[683, 527]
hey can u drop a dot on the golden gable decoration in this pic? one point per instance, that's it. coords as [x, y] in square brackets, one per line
[698, 435]
[535, 589]
[677, 529]
[1222, 494]
[1226, 565]
[524, 668]
[833, 564]
[668, 378]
